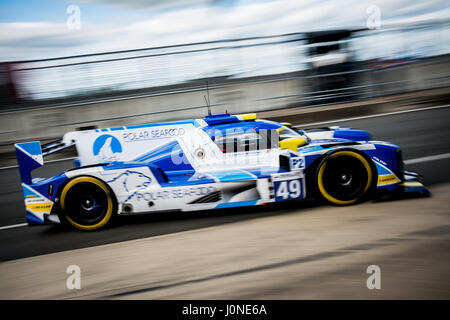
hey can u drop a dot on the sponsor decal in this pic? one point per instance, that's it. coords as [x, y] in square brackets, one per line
[107, 148]
[132, 180]
[35, 200]
[379, 160]
[178, 193]
[325, 141]
[136, 182]
[153, 134]
[387, 179]
[40, 207]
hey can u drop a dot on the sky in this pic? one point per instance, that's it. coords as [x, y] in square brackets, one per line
[33, 29]
[41, 29]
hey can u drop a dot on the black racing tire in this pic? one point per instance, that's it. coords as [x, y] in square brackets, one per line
[87, 203]
[346, 177]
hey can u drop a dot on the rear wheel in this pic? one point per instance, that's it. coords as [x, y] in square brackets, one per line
[87, 203]
[345, 177]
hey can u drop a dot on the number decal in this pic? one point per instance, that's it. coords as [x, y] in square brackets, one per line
[288, 190]
[282, 190]
[295, 189]
[297, 162]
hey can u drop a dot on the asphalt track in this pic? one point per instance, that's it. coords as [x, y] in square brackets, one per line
[192, 255]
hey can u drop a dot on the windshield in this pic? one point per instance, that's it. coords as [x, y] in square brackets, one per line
[245, 141]
[287, 133]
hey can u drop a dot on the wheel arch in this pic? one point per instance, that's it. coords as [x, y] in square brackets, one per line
[58, 209]
[312, 170]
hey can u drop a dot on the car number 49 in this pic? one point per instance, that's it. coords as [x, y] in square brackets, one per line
[288, 190]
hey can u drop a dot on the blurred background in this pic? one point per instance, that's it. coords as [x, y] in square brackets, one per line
[378, 65]
[78, 64]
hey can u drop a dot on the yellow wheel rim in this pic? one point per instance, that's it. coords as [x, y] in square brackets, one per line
[324, 192]
[100, 184]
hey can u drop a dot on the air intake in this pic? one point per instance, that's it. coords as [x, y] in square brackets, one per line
[211, 197]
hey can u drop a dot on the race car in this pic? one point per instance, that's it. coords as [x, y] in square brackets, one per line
[220, 161]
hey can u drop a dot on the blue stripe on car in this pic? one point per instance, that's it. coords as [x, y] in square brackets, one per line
[232, 175]
[245, 203]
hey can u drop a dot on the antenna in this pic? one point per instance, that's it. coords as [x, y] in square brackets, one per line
[208, 103]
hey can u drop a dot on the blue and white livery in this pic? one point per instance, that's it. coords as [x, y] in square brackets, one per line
[220, 161]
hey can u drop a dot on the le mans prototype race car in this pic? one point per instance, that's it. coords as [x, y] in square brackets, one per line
[220, 161]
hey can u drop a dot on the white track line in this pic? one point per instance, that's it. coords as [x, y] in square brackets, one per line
[8, 167]
[375, 115]
[49, 161]
[428, 158]
[14, 226]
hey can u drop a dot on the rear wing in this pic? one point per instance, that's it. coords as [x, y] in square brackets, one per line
[56, 146]
[30, 155]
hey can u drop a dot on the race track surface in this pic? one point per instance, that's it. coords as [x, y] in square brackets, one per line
[294, 251]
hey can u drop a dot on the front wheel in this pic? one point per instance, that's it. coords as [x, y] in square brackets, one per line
[87, 203]
[345, 177]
